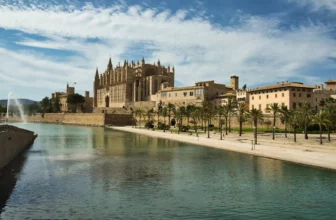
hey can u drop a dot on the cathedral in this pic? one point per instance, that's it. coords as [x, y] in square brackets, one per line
[127, 84]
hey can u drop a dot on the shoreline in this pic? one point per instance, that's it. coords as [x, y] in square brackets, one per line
[320, 159]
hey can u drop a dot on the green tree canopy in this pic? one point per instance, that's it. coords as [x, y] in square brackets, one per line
[75, 99]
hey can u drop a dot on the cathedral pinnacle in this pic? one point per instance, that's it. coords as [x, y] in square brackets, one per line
[109, 65]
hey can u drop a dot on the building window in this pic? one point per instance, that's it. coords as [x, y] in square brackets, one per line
[300, 104]
[299, 94]
[259, 106]
[169, 94]
[294, 105]
[283, 94]
[293, 89]
[308, 95]
[294, 95]
[175, 94]
[252, 97]
[259, 97]
[185, 94]
[276, 95]
[191, 93]
[266, 96]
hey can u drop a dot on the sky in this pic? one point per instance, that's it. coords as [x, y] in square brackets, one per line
[45, 44]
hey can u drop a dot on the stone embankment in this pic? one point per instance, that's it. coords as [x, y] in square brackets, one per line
[86, 119]
[13, 141]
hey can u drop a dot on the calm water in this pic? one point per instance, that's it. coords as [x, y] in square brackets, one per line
[96, 173]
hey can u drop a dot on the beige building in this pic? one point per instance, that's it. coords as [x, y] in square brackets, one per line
[331, 85]
[290, 94]
[202, 91]
[65, 107]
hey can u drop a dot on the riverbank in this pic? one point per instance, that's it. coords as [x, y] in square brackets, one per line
[305, 152]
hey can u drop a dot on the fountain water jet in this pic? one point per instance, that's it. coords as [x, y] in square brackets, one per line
[18, 104]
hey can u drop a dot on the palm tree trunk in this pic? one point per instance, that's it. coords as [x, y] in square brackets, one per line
[274, 127]
[208, 128]
[305, 131]
[329, 133]
[169, 119]
[221, 131]
[240, 128]
[285, 128]
[320, 134]
[158, 120]
[294, 131]
[255, 132]
[226, 126]
[229, 124]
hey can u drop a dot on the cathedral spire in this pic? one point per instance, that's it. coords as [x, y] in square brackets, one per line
[143, 60]
[97, 73]
[109, 65]
[158, 62]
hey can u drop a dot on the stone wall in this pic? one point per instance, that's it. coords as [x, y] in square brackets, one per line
[12, 142]
[87, 119]
[118, 119]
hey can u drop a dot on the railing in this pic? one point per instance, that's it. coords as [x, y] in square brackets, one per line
[10, 128]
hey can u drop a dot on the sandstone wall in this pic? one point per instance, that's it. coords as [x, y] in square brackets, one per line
[12, 142]
[118, 119]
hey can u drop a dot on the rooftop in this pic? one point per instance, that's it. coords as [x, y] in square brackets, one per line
[283, 85]
[330, 80]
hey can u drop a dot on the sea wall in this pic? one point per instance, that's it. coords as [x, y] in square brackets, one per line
[86, 119]
[13, 141]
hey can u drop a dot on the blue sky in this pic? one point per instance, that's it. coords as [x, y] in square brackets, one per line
[45, 44]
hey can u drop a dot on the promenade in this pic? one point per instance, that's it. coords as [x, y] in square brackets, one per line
[306, 152]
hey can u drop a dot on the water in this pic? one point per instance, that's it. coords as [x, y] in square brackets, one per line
[96, 173]
[12, 97]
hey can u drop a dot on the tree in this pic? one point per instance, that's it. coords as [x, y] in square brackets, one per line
[321, 118]
[164, 114]
[209, 114]
[256, 116]
[285, 113]
[56, 105]
[149, 115]
[46, 106]
[171, 110]
[158, 112]
[220, 112]
[305, 112]
[294, 121]
[189, 110]
[75, 99]
[179, 114]
[274, 109]
[241, 113]
[331, 111]
[196, 115]
[230, 108]
[139, 113]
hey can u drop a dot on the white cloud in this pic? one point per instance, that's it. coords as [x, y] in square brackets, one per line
[255, 48]
[317, 4]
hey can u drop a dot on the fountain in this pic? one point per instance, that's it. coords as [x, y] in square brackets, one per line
[12, 97]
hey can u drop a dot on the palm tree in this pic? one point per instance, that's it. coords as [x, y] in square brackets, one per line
[331, 111]
[274, 108]
[220, 112]
[209, 114]
[189, 110]
[179, 114]
[294, 121]
[196, 115]
[321, 118]
[149, 115]
[158, 112]
[139, 113]
[305, 112]
[226, 116]
[171, 110]
[285, 113]
[231, 107]
[164, 114]
[241, 113]
[256, 116]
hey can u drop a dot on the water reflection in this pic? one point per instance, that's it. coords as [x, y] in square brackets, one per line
[79, 172]
[8, 179]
